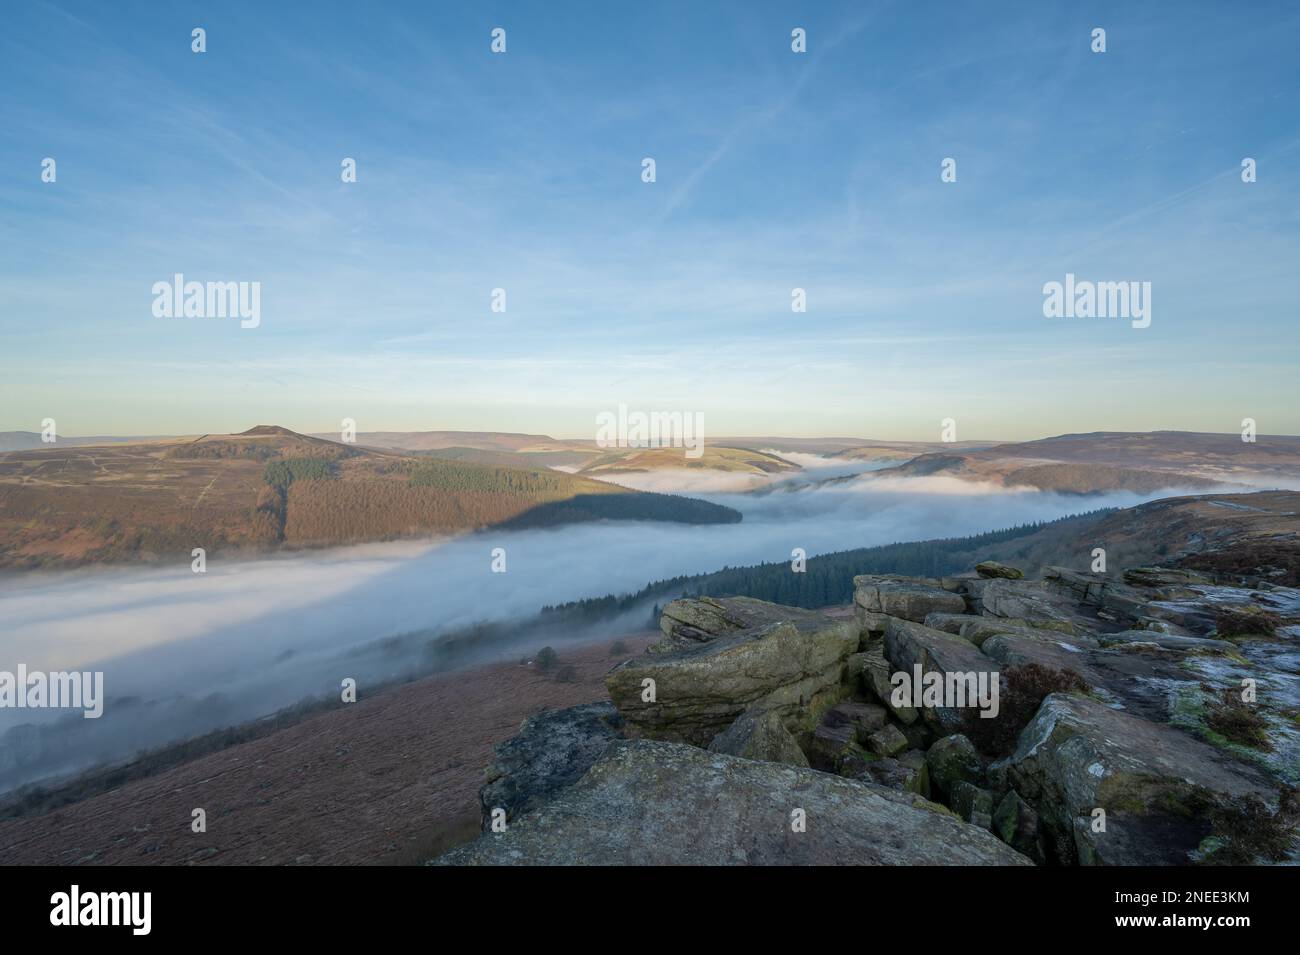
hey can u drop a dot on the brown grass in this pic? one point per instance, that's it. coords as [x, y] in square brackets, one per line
[1023, 690]
[385, 780]
[1230, 716]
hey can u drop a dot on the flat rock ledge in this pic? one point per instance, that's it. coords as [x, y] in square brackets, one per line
[646, 802]
[793, 665]
[761, 734]
[552, 750]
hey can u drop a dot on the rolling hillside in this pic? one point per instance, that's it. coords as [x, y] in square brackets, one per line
[1111, 461]
[439, 440]
[270, 488]
[1210, 456]
[31, 440]
[904, 450]
[713, 458]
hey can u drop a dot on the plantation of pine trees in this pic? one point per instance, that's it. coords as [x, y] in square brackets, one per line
[536, 484]
[280, 474]
[447, 496]
[827, 580]
[328, 511]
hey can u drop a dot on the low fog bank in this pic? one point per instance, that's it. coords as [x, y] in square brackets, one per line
[705, 483]
[184, 653]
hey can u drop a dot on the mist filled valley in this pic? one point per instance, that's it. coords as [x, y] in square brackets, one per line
[184, 653]
[529, 435]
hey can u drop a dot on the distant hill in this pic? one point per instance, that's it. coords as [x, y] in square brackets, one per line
[1236, 534]
[501, 448]
[778, 443]
[1210, 456]
[508, 449]
[30, 440]
[1067, 478]
[845, 447]
[436, 440]
[712, 458]
[906, 450]
[270, 488]
[1113, 461]
[564, 460]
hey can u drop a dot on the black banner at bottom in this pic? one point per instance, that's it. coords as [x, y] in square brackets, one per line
[215, 903]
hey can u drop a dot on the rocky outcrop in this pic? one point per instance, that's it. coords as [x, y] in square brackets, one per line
[910, 645]
[875, 673]
[951, 622]
[953, 760]
[759, 734]
[1025, 600]
[656, 803]
[551, 751]
[1166, 641]
[1164, 577]
[902, 597]
[1059, 652]
[865, 718]
[793, 665]
[991, 568]
[979, 629]
[1155, 786]
[831, 746]
[1016, 824]
[973, 804]
[886, 741]
[701, 619]
[1152, 756]
[908, 776]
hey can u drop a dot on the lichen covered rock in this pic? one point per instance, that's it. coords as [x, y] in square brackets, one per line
[793, 666]
[991, 568]
[1156, 786]
[953, 759]
[902, 597]
[759, 734]
[552, 750]
[656, 803]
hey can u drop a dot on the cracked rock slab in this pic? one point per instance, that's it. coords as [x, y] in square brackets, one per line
[1156, 784]
[656, 803]
[794, 667]
[693, 620]
[759, 734]
[552, 750]
[908, 645]
[908, 599]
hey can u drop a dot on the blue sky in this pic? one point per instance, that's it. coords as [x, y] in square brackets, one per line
[774, 171]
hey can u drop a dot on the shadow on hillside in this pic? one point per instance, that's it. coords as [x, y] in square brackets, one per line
[644, 506]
